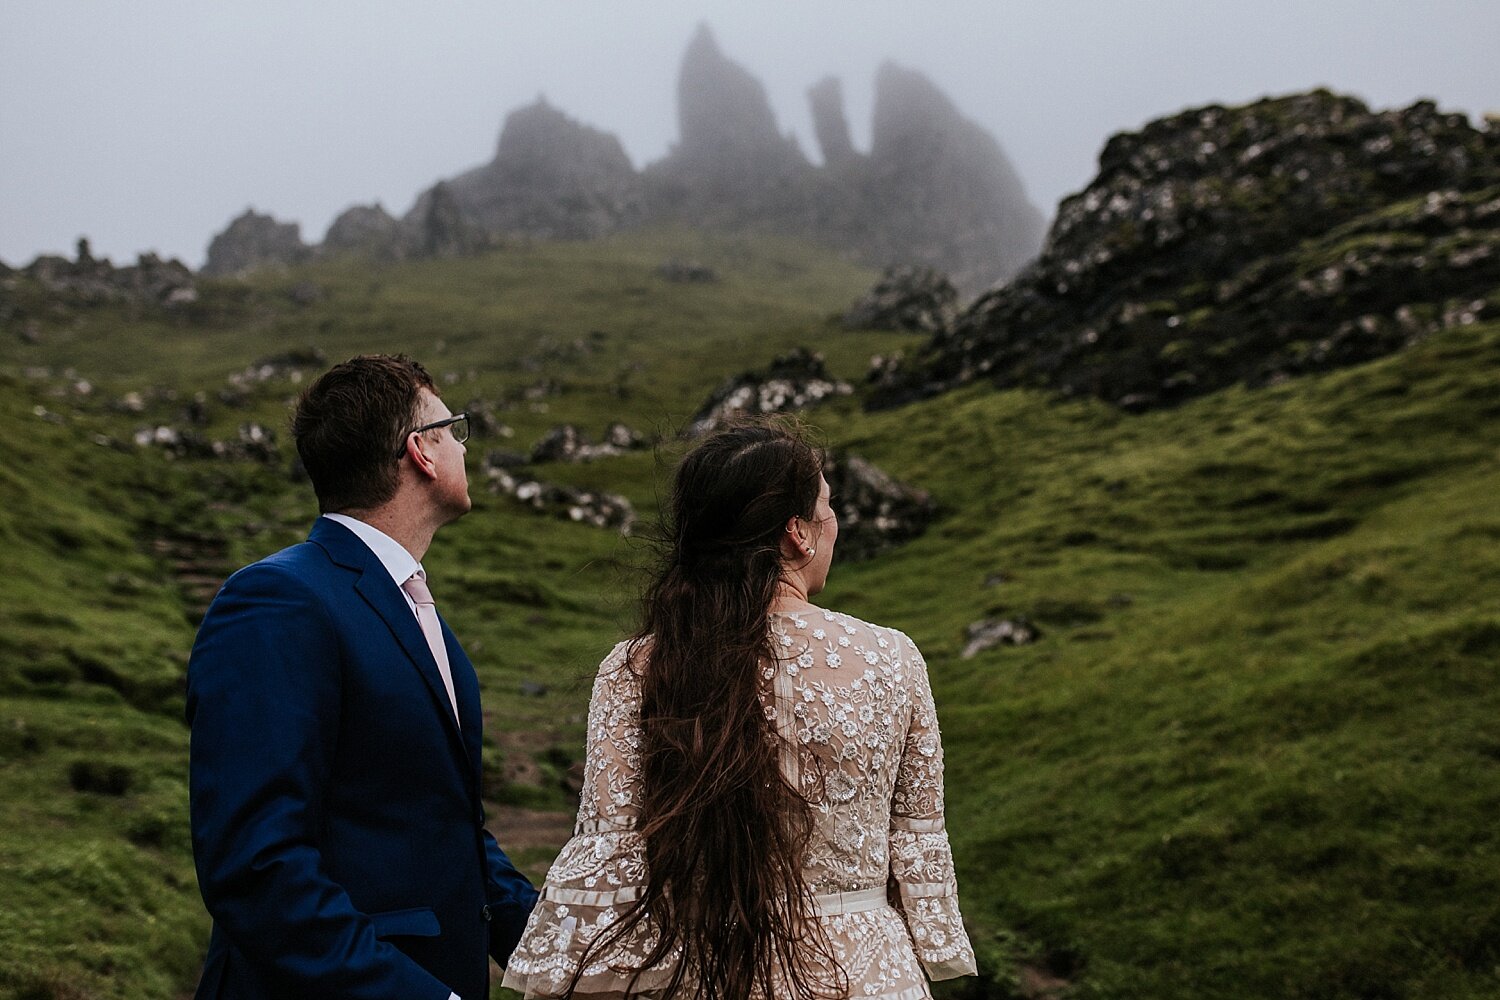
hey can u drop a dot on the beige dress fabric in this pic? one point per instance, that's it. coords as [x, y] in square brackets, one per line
[854, 707]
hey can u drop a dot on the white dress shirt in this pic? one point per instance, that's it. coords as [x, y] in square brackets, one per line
[392, 554]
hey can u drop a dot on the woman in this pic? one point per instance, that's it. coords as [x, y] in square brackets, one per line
[759, 771]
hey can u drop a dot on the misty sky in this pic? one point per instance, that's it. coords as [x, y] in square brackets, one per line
[148, 125]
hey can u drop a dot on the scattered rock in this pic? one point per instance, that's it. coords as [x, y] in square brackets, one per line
[686, 272]
[541, 389]
[561, 444]
[292, 365]
[875, 511]
[503, 459]
[566, 443]
[990, 632]
[794, 381]
[484, 422]
[601, 510]
[618, 435]
[305, 293]
[254, 442]
[918, 299]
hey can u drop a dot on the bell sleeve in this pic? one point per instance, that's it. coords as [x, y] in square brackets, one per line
[921, 859]
[600, 872]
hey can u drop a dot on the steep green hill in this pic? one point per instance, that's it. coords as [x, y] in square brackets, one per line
[1252, 753]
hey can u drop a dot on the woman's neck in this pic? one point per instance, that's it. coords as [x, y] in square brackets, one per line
[790, 597]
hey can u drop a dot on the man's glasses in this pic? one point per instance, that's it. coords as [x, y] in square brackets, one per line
[458, 425]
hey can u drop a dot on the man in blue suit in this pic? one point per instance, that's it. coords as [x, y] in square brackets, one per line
[337, 826]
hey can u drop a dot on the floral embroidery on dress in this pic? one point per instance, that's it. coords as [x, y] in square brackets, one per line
[869, 762]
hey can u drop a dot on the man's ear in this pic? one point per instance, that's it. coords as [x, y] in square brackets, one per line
[416, 450]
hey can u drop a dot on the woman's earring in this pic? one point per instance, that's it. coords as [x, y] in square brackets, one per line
[811, 552]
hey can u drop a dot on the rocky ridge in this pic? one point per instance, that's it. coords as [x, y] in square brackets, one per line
[88, 280]
[935, 190]
[1227, 245]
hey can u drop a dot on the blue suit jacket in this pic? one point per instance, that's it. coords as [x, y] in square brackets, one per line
[337, 826]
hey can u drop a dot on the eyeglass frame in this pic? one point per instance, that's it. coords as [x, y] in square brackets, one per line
[449, 421]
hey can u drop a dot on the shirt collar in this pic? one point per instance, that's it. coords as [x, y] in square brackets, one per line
[392, 555]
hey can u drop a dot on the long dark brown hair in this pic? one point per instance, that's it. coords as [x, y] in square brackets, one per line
[724, 831]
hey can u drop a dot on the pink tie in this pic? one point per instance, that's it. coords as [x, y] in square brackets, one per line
[416, 589]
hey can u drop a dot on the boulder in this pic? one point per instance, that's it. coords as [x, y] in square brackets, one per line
[875, 511]
[991, 632]
[917, 299]
[793, 381]
[620, 436]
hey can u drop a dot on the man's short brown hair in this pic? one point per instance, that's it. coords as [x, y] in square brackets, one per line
[350, 423]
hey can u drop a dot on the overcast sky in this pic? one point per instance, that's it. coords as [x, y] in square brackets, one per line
[149, 124]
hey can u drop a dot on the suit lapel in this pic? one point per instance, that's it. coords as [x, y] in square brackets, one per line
[386, 600]
[466, 688]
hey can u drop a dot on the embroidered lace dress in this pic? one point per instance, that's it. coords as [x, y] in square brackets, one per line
[860, 737]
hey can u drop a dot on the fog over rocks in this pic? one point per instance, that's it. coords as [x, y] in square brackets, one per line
[254, 240]
[552, 177]
[935, 189]
[91, 280]
[367, 229]
[829, 124]
[729, 143]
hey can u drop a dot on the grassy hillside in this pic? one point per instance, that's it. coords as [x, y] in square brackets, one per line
[1252, 754]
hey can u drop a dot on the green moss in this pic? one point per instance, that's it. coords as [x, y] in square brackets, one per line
[1253, 754]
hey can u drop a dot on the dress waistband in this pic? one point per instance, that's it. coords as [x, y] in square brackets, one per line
[825, 905]
[857, 901]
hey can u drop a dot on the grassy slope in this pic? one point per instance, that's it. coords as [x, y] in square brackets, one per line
[1252, 756]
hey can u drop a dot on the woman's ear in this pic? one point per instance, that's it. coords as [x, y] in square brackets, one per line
[798, 545]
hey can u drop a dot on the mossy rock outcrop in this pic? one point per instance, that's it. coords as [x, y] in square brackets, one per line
[1228, 245]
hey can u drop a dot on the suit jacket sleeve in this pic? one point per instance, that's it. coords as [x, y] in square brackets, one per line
[511, 897]
[263, 703]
